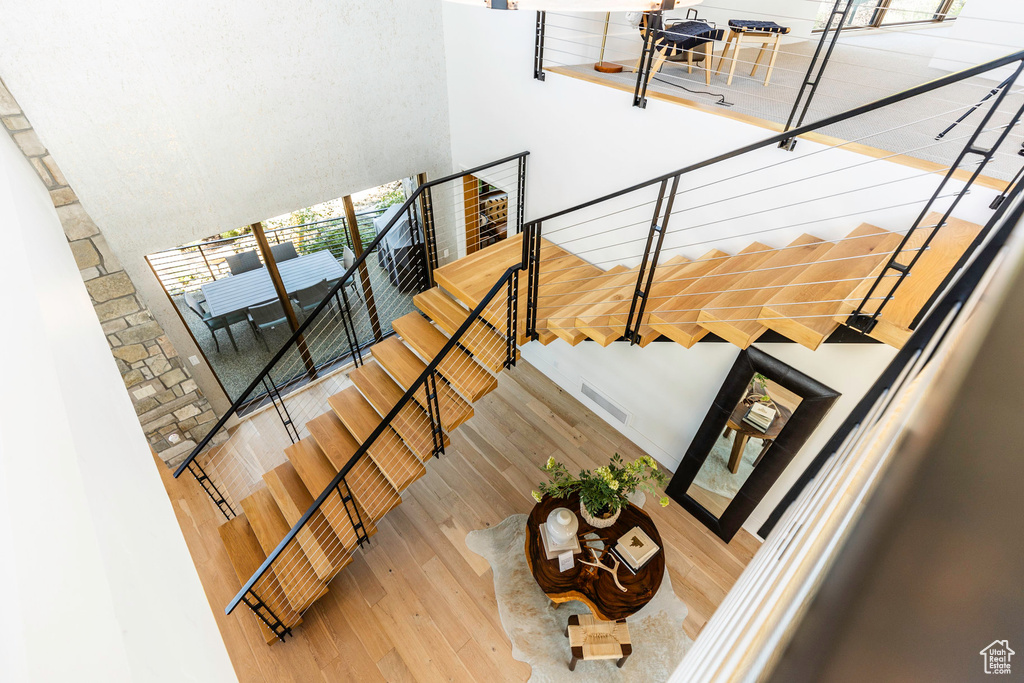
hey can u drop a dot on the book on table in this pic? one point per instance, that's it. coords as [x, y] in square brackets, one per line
[635, 548]
[760, 416]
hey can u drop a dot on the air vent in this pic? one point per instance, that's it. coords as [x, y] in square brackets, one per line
[617, 412]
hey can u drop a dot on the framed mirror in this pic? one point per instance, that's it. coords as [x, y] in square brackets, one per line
[760, 419]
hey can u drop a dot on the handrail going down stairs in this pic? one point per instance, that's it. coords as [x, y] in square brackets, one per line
[864, 316]
[509, 282]
[425, 261]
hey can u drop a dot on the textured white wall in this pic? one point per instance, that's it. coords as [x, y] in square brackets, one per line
[177, 120]
[586, 141]
[98, 582]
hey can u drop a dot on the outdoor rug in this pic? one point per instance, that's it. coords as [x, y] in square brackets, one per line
[537, 629]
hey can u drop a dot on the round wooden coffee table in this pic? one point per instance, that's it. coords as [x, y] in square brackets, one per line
[595, 587]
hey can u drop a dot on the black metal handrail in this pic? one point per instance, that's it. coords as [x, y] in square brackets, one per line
[296, 336]
[384, 424]
[915, 91]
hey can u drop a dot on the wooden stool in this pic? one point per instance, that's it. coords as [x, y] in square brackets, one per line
[591, 638]
[768, 32]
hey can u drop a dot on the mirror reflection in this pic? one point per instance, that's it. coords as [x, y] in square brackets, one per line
[752, 427]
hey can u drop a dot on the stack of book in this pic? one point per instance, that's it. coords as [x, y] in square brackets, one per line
[635, 549]
[760, 416]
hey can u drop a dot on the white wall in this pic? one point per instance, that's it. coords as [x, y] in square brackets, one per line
[985, 29]
[177, 120]
[98, 582]
[586, 140]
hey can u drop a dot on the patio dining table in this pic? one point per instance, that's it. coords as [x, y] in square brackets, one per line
[238, 292]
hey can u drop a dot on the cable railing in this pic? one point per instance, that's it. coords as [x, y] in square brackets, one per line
[802, 77]
[348, 318]
[631, 245]
[368, 484]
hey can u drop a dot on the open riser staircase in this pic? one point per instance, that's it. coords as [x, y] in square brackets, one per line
[804, 291]
[300, 526]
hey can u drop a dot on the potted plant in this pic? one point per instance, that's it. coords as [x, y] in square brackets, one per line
[603, 492]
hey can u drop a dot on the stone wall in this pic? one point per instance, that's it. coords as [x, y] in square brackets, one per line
[172, 410]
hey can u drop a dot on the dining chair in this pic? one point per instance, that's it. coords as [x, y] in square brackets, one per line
[348, 259]
[243, 262]
[284, 251]
[692, 40]
[197, 303]
[308, 298]
[266, 316]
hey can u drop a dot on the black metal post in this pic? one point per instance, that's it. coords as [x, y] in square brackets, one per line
[419, 247]
[355, 518]
[511, 331]
[434, 413]
[646, 62]
[652, 250]
[865, 322]
[280, 407]
[211, 489]
[520, 194]
[429, 233]
[816, 69]
[531, 261]
[538, 47]
[266, 615]
[350, 328]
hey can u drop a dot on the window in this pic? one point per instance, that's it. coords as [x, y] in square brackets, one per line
[875, 13]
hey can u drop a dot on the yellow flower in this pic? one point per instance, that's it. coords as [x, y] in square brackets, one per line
[664, 501]
[550, 464]
[537, 497]
[614, 484]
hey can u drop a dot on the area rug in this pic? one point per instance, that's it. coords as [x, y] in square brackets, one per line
[537, 629]
[714, 474]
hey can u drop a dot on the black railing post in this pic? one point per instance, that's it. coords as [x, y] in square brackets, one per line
[652, 251]
[420, 248]
[434, 413]
[646, 62]
[266, 615]
[429, 232]
[531, 261]
[512, 322]
[350, 328]
[520, 194]
[816, 69]
[538, 47]
[865, 321]
[280, 407]
[355, 517]
[211, 489]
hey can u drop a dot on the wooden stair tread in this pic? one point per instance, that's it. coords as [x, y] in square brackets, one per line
[392, 456]
[471, 277]
[369, 485]
[412, 422]
[676, 317]
[562, 310]
[322, 546]
[464, 373]
[483, 341]
[944, 251]
[246, 555]
[733, 315]
[596, 321]
[556, 283]
[804, 310]
[674, 280]
[293, 570]
[317, 472]
[405, 367]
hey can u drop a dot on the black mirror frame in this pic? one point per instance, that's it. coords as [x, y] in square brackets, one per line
[816, 400]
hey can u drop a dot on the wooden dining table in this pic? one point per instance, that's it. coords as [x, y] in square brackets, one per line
[238, 292]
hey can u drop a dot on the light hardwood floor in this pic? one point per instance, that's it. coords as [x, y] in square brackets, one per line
[417, 605]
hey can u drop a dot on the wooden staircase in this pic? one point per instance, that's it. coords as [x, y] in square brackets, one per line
[804, 291]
